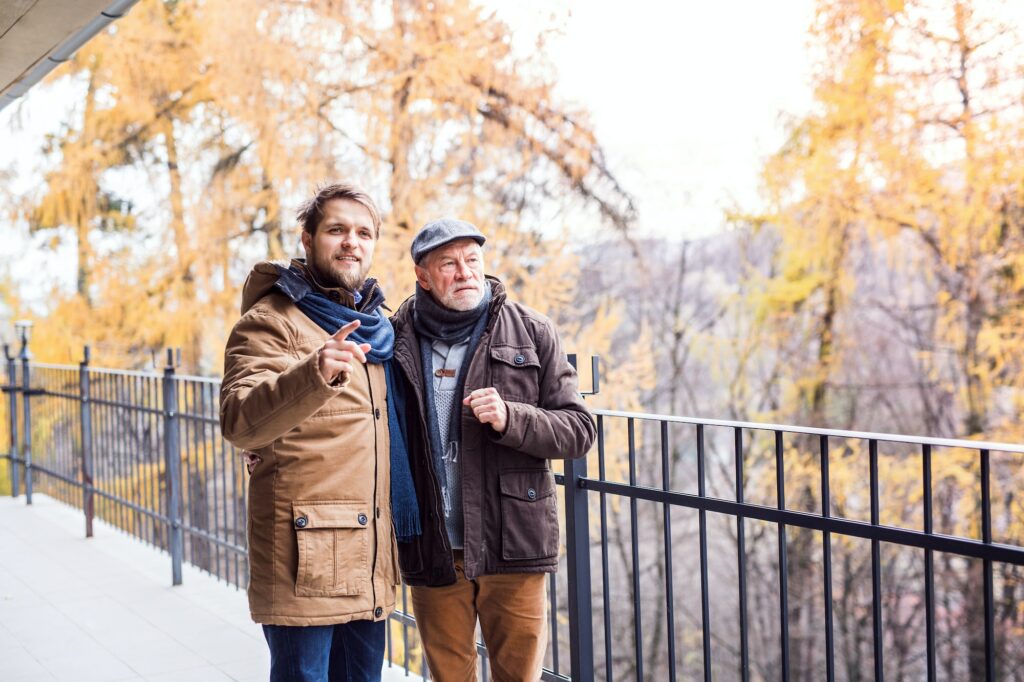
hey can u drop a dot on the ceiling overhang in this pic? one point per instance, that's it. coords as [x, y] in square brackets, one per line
[38, 35]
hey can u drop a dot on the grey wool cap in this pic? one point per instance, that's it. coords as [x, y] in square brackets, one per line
[437, 233]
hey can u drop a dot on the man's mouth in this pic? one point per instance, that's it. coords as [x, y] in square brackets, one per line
[347, 259]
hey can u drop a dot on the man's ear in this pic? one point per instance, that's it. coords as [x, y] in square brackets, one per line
[421, 277]
[307, 242]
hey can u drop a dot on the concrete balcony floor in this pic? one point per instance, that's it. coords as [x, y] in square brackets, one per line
[104, 608]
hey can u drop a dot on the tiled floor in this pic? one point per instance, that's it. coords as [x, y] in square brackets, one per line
[104, 608]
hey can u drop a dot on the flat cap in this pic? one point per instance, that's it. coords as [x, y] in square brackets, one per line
[437, 233]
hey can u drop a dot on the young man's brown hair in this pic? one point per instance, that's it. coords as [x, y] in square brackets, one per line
[311, 211]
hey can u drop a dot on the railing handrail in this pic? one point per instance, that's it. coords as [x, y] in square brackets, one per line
[810, 430]
[671, 418]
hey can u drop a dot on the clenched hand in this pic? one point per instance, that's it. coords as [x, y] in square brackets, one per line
[488, 408]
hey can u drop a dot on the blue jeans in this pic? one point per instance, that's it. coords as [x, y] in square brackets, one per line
[350, 652]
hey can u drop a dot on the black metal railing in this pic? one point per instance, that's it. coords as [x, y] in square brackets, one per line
[701, 549]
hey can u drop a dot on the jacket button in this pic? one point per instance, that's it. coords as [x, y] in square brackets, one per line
[378, 612]
[362, 519]
[532, 494]
[376, 413]
[519, 359]
[301, 522]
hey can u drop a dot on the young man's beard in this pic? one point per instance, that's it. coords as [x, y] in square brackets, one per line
[329, 277]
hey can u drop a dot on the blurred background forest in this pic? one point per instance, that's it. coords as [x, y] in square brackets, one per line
[877, 284]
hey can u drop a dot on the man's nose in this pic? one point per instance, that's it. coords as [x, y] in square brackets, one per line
[463, 271]
[348, 240]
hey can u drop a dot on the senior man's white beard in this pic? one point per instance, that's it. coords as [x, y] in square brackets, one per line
[463, 300]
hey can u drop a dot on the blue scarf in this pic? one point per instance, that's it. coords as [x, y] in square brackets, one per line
[376, 330]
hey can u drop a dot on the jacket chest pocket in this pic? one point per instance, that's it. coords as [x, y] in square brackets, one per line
[333, 542]
[529, 515]
[515, 372]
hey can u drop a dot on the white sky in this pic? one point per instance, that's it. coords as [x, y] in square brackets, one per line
[686, 98]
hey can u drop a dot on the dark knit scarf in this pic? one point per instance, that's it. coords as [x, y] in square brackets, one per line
[376, 330]
[433, 321]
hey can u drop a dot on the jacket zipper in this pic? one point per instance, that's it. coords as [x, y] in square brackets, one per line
[438, 513]
[483, 344]
[376, 502]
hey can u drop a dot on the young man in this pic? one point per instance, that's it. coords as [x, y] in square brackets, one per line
[490, 399]
[304, 389]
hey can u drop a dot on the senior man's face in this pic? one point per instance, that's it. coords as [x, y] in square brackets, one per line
[454, 274]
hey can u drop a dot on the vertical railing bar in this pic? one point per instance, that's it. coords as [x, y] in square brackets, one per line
[603, 504]
[553, 617]
[211, 467]
[876, 565]
[826, 543]
[405, 631]
[190, 477]
[212, 444]
[986, 537]
[780, 491]
[124, 454]
[148, 425]
[236, 519]
[929, 565]
[98, 460]
[669, 591]
[741, 558]
[135, 458]
[638, 634]
[85, 423]
[577, 564]
[173, 455]
[26, 415]
[117, 484]
[12, 384]
[705, 596]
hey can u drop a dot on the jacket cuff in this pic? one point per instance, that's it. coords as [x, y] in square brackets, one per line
[515, 429]
[321, 387]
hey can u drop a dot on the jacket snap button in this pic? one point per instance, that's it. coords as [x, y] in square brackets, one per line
[362, 519]
[520, 359]
[376, 413]
[532, 494]
[301, 522]
[378, 612]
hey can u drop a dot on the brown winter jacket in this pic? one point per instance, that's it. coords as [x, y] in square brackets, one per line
[321, 546]
[508, 490]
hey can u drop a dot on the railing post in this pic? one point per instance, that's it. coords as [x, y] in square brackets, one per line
[26, 408]
[12, 394]
[172, 455]
[85, 407]
[577, 560]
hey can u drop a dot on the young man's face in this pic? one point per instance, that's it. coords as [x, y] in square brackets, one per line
[454, 274]
[341, 251]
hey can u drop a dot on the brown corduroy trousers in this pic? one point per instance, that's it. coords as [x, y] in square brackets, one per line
[510, 607]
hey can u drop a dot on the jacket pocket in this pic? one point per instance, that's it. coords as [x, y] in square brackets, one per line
[515, 372]
[529, 518]
[333, 541]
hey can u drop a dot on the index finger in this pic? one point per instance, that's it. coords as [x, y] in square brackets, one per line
[343, 333]
[480, 393]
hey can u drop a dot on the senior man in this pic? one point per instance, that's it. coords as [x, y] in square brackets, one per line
[490, 400]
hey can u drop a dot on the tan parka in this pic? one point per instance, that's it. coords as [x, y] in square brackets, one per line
[321, 544]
